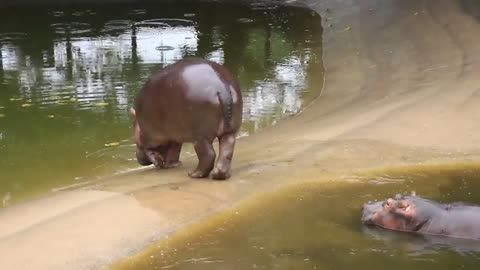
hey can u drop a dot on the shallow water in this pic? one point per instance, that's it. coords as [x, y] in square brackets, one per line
[68, 77]
[317, 226]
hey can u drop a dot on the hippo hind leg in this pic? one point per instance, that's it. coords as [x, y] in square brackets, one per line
[206, 158]
[222, 168]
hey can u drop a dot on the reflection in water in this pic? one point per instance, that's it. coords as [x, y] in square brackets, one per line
[67, 78]
[419, 245]
[317, 226]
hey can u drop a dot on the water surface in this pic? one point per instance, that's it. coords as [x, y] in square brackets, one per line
[317, 226]
[68, 77]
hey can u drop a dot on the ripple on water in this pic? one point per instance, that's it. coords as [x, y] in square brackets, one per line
[165, 23]
[137, 12]
[57, 13]
[83, 96]
[78, 13]
[245, 20]
[72, 28]
[262, 6]
[116, 27]
[12, 36]
[165, 48]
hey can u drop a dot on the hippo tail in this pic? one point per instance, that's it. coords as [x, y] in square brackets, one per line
[226, 102]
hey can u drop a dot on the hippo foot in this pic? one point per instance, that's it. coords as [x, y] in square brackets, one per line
[170, 165]
[197, 174]
[220, 175]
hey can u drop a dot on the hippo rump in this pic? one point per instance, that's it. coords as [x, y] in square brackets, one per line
[417, 215]
[193, 100]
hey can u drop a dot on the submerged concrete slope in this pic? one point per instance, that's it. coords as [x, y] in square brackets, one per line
[401, 88]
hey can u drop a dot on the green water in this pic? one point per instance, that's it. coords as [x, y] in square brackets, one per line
[317, 226]
[68, 77]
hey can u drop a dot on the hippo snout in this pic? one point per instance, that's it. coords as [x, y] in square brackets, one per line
[363, 207]
[369, 211]
[366, 213]
[142, 158]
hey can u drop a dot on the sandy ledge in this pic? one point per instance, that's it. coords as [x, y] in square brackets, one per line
[402, 88]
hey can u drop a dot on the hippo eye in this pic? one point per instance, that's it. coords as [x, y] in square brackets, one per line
[387, 204]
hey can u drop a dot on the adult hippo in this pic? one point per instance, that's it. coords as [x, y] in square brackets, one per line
[193, 100]
[417, 215]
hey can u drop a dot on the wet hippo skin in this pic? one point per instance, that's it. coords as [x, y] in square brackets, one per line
[418, 215]
[192, 100]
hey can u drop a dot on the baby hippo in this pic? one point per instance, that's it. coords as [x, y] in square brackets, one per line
[193, 100]
[416, 215]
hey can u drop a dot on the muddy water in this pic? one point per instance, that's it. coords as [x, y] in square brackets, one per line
[68, 77]
[317, 226]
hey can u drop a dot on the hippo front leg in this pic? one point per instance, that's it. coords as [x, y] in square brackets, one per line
[172, 158]
[147, 157]
[206, 158]
[155, 157]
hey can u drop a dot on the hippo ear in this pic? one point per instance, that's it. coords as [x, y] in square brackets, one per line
[402, 204]
[403, 208]
[132, 112]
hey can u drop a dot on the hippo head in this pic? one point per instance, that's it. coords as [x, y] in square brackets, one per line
[409, 213]
[155, 156]
[146, 156]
